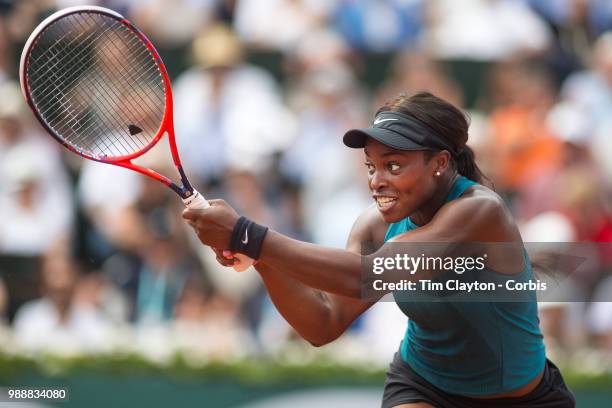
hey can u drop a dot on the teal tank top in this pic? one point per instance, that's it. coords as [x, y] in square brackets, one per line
[471, 348]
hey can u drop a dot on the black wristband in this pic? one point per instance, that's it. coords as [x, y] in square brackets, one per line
[247, 238]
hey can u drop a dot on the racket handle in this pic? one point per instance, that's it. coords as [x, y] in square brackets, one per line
[197, 202]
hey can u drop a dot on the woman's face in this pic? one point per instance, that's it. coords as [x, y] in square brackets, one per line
[401, 181]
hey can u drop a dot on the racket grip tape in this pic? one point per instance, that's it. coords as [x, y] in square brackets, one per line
[196, 201]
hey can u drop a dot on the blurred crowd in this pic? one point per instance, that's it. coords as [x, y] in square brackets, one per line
[96, 258]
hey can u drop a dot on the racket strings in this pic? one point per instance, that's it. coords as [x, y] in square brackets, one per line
[87, 126]
[52, 84]
[143, 52]
[92, 122]
[99, 143]
[94, 81]
[75, 119]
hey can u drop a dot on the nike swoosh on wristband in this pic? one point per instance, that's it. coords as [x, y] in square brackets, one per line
[245, 240]
[377, 121]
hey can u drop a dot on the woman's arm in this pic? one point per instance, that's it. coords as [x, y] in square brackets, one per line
[318, 317]
[332, 270]
[476, 218]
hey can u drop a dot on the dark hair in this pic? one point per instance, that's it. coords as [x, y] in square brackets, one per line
[446, 121]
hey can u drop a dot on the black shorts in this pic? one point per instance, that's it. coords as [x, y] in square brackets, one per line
[404, 386]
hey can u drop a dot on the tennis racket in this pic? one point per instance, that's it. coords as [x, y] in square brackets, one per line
[99, 87]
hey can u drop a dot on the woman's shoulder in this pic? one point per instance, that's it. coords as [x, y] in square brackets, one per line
[481, 218]
[481, 211]
[482, 194]
[478, 197]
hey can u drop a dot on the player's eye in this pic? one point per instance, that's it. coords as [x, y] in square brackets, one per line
[370, 167]
[393, 166]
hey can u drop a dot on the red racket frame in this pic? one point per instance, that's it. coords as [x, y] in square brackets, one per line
[190, 197]
[167, 124]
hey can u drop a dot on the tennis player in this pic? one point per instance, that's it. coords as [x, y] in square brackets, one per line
[426, 187]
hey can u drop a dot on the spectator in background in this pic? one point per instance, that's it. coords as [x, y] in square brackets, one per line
[413, 71]
[257, 196]
[58, 321]
[577, 189]
[172, 23]
[571, 32]
[501, 90]
[331, 218]
[327, 98]
[321, 48]
[227, 112]
[572, 19]
[590, 91]
[498, 29]
[522, 146]
[35, 199]
[206, 322]
[278, 24]
[380, 25]
[162, 273]
[153, 269]
[108, 196]
[29, 226]
[589, 95]
[331, 102]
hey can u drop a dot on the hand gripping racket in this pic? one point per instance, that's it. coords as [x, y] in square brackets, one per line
[99, 87]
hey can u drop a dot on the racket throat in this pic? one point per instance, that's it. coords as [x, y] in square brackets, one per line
[187, 190]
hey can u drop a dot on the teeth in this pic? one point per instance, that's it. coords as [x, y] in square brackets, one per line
[385, 201]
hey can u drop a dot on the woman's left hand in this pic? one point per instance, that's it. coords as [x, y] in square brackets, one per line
[214, 225]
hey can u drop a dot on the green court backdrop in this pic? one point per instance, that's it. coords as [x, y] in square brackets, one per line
[130, 381]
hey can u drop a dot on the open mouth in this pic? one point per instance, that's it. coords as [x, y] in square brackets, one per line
[385, 202]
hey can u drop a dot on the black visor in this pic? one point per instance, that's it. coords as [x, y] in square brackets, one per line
[398, 131]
